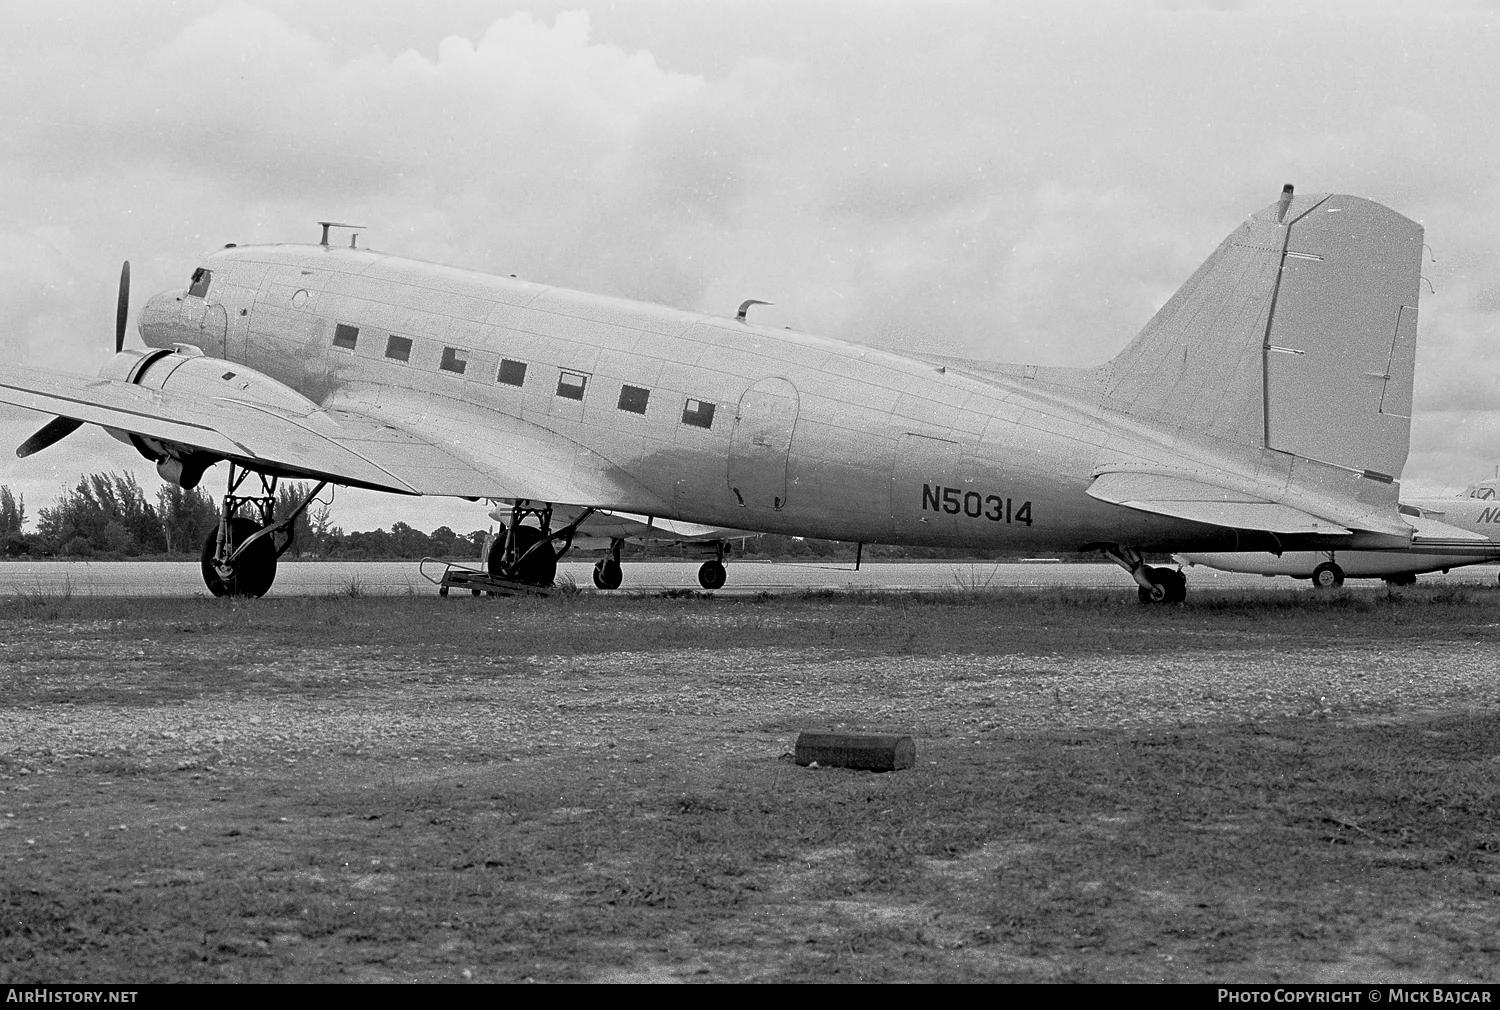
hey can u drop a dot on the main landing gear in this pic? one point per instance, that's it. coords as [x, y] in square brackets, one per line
[239, 557]
[524, 552]
[1154, 584]
[711, 574]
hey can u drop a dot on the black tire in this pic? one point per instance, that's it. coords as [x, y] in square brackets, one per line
[607, 574]
[254, 571]
[1401, 580]
[712, 575]
[442, 590]
[537, 569]
[1176, 585]
[1165, 586]
[1327, 576]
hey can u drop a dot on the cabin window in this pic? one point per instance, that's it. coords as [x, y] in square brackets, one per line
[633, 399]
[570, 385]
[345, 335]
[201, 280]
[455, 360]
[698, 413]
[398, 348]
[512, 373]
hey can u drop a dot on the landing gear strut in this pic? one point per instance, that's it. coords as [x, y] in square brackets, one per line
[1155, 584]
[239, 556]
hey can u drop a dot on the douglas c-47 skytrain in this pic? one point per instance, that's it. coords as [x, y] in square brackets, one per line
[1266, 407]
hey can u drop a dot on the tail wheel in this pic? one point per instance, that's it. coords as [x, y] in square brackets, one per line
[251, 574]
[607, 574]
[1327, 576]
[538, 568]
[711, 575]
[1167, 586]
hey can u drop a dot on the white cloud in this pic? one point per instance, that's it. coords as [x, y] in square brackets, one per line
[997, 180]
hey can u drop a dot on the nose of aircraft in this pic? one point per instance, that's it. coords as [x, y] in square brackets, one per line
[160, 319]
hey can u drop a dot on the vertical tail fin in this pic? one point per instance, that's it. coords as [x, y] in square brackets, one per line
[1297, 335]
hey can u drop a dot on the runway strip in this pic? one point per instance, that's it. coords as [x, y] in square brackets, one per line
[315, 578]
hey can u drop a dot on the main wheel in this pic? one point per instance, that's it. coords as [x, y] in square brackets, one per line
[607, 574]
[1176, 584]
[537, 569]
[1401, 580]
[1327, 576]
[251, 574]
[712, 575]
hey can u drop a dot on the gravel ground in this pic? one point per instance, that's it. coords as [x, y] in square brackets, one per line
[731, 700]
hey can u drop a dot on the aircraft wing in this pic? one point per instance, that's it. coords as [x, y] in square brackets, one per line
[1184, 497]
[507, 459]
[643, 528]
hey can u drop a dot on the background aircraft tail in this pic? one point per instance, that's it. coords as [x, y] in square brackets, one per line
[1298, 334]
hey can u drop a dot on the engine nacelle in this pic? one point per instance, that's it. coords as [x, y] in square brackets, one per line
[185, 369]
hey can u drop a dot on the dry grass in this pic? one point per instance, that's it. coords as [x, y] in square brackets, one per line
[1279, 786]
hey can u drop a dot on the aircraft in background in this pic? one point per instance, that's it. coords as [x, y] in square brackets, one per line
[1476, 511]
[610, 530]
[1265, 407]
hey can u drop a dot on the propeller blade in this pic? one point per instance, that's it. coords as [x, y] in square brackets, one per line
[122, 309]
[57, 428]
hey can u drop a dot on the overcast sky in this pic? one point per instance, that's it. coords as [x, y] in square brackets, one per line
[1008, 181]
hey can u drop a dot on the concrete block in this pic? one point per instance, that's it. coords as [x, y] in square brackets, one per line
[869, 751]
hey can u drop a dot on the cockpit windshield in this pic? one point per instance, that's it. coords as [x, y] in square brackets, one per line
[199, 285]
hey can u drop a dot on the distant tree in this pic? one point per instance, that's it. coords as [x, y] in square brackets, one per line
[12, 519]
[106, 514]
[187, 518]
[12, 512]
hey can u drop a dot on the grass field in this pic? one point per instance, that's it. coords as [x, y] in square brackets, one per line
[1254, 786]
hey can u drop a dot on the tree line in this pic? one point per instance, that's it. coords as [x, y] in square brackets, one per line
[109, 516]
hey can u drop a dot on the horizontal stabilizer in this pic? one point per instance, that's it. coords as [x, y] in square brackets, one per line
[1184, 497]
[1431, 530]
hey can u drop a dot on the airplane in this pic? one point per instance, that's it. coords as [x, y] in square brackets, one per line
[1265, 407]
[609, 531]
[1474, 511]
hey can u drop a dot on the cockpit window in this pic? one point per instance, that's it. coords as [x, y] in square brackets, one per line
[201, 279]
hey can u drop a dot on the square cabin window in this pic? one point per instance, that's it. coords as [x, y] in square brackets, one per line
[698, 413]
[345, 335]
[398, 348]
[570, 385]
[633, 399]
[512, 373]
[455, 360]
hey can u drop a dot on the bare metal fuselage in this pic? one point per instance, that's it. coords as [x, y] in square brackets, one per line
[809, 436]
